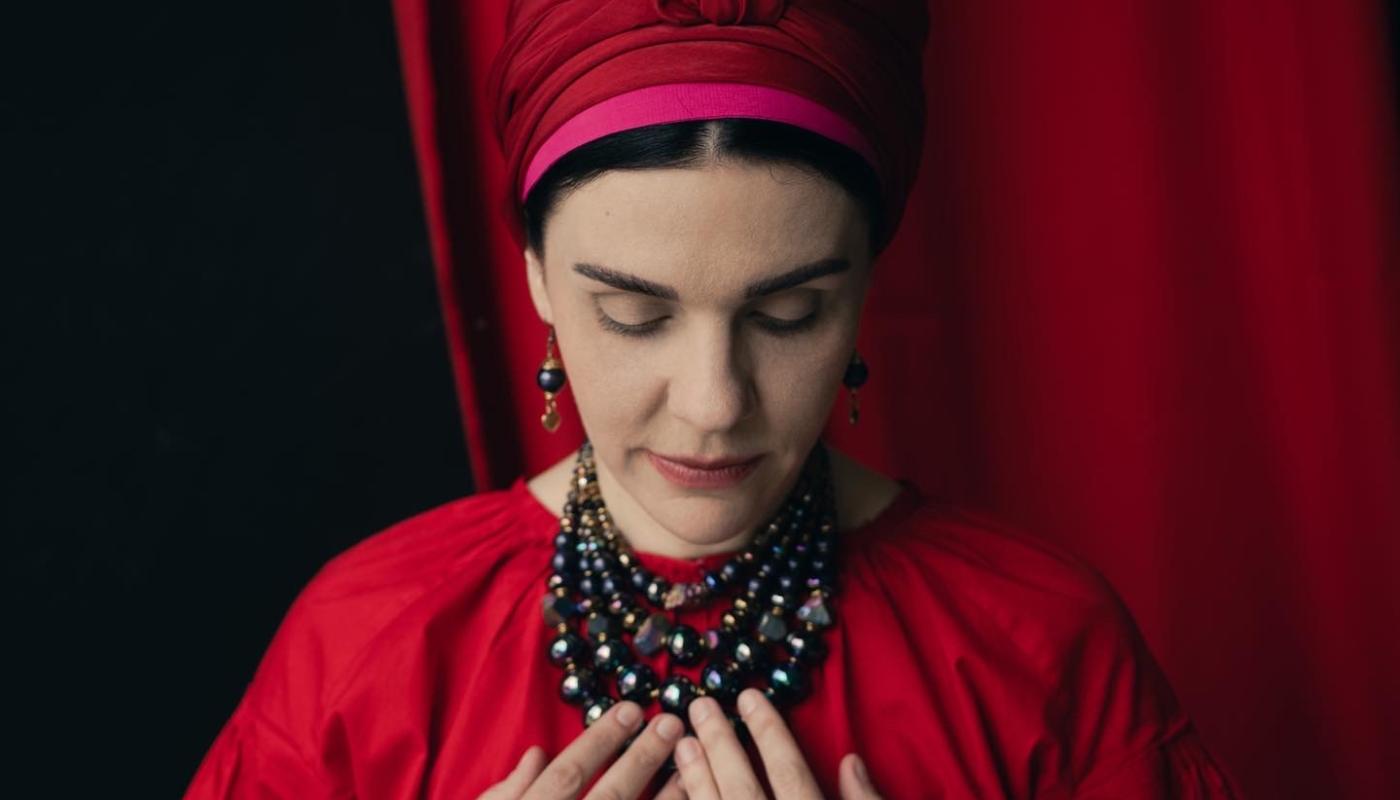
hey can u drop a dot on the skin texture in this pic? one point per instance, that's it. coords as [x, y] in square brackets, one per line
[712, 379]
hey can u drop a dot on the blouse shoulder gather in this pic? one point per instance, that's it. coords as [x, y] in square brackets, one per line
[1118, 727]
[490, 540]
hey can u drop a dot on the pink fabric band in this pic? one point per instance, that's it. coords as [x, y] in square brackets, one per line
[679, 102]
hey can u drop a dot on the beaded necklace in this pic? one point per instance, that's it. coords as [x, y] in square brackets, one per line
[778, 584]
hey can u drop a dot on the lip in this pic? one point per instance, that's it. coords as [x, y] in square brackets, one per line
[694, 473]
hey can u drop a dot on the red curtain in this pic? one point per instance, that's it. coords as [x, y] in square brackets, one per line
[1144, 303]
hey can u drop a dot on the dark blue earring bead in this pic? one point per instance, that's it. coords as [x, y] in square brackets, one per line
[550, 379]
[635, 682]
[721, 681]
[567, 648]
[577, 687]
[676, 694]
[685, 644]
[806, 647]
[786, 683]
[857, 373]
[611, 656]
[596, 709]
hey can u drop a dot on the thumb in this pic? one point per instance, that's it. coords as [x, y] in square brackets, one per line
[855, 780]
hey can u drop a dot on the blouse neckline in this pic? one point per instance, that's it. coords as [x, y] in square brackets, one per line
[676, 569]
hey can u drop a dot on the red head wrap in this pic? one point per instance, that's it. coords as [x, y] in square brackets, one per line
[572, 71]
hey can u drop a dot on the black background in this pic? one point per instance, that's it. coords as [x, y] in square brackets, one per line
[224, 361]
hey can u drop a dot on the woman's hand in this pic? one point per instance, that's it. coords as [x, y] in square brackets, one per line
[716, 767]
[537, 778]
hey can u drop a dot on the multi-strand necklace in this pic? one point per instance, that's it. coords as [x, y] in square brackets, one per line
[607, 608]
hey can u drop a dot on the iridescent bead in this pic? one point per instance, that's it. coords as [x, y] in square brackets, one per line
[651, 636]
[577, 686]
[567, 648]
[806, 647]
[771, 626]
[612, 655]
[603, 626]
[685, 644]
[656, 591]
[676, 694]
[815, 612]
[635, 682]
[721, 681]
[596, 709]
[640, 578]
[749, 655]
[786, 683]
[557, 610]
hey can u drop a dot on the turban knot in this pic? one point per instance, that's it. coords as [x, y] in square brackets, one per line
[721, 12]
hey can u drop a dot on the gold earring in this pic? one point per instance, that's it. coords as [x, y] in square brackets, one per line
[550, 379]
[857, 373]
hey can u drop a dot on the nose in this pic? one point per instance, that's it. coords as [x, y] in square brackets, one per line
[710, 386]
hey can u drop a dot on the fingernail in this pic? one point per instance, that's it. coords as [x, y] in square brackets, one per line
[669, 728]
[628, 715]
[687, 751]
[748, 701]
[700, 709]
[861, 774]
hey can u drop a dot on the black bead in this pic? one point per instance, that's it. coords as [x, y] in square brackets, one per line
[676, 694]
[563, 540]
[786, 683]
[567, 648]
[577, 686]
[685, 644]
[587, 586]
[563, 563]
[749, 655]
[612, 655]
[604, 626]
[636, 682]
[640, 578]
[731, 571]
[714, 581]
[721, 680]
[596, 709]
[656, 590]
[550, 380]
[806, 647]
[857, 373]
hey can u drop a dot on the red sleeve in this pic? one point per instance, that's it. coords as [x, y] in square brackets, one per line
[253, 757]
[1127, 737]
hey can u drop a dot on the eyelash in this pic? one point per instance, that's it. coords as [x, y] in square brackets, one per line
[774, 327]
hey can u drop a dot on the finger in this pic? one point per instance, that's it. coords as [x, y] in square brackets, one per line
[855, 779]
[787, 769]
[695, 770]
[633, 771]
[672, 790]
[727, 760]
[526, 769]
[571, 770]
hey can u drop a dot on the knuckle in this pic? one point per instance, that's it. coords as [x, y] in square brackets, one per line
[563, 778]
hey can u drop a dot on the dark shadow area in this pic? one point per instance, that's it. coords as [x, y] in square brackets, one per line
[225, 362]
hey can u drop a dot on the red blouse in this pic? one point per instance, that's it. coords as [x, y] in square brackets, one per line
[967, 660]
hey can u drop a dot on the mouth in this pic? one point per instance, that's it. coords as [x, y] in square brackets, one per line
[696, 473]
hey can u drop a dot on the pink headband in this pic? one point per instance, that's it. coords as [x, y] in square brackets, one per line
[679, 102]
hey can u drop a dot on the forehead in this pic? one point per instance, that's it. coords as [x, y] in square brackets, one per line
[719, 225]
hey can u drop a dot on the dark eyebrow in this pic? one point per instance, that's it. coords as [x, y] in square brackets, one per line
[625, 282]
[795, 277]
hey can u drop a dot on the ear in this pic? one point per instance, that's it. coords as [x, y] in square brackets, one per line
[534, 276]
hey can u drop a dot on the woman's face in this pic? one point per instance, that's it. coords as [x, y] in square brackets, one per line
[703, 314]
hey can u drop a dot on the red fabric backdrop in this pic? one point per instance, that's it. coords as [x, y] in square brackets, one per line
[1144, 303]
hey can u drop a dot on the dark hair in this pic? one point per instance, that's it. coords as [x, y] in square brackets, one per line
[694, 143]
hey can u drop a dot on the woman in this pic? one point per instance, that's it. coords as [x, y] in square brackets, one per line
[704, 599]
